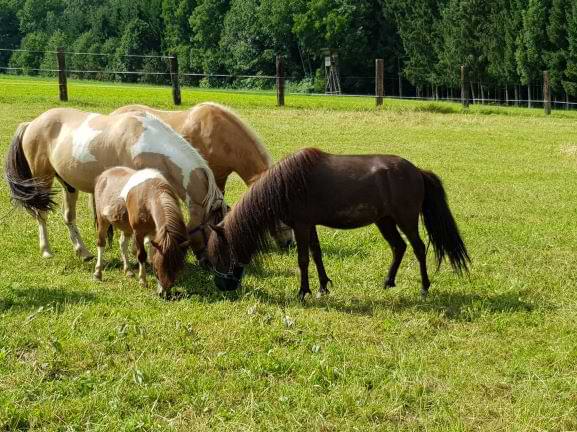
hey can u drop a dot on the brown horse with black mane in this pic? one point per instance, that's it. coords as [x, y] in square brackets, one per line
[313, 188]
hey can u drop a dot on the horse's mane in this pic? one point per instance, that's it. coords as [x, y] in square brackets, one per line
[173, 233]
[270, 198]
[213, 194]
[259, 146]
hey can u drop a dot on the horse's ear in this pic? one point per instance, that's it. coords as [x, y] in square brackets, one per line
[156, 246]
[218, 229]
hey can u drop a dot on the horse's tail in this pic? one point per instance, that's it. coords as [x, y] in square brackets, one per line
[441, 225]
[32, 193]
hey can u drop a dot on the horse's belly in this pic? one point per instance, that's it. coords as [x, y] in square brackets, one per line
[80, 176]
[350, 217]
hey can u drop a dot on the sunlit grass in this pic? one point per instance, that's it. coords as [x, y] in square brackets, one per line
[493, 351]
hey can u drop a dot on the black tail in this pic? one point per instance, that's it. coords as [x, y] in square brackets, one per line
[32, 193]
[441, 225]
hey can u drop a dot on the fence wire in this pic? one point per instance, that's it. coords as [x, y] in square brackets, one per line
[360, 86]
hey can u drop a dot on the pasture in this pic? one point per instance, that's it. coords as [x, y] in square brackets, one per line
[496, 350]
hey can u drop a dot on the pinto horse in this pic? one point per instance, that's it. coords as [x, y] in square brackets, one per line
[225, 141]
[141, 203]
[313, 188]
[76, 147]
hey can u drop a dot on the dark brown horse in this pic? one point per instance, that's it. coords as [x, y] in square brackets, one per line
[313, 188]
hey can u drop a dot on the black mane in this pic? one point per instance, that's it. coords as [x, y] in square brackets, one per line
[259, 211]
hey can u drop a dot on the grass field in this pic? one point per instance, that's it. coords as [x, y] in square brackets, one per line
[493, 351]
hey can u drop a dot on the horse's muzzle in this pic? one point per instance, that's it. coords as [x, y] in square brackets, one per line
[229, 281]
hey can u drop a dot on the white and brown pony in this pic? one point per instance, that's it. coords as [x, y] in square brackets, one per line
[224, 140]
[144, 205]
[76, 147]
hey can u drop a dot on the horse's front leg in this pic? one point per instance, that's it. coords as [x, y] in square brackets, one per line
[43, 235]
[69, 213]
[318, 258]
[302, 235]
[141, 256]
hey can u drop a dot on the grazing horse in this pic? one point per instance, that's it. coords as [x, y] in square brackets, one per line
[141, 203]
[313, 188]
[76, 147]
[225, 141]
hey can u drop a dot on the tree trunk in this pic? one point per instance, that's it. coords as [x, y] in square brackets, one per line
[529, 102]
[516, 95]
[506, 95]
[473, 92]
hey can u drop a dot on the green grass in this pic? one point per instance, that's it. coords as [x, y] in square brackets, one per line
[493, 351]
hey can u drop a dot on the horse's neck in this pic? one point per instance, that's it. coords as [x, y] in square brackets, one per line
[236, 143]
[157, 212]
[159, 206]
[253, 161]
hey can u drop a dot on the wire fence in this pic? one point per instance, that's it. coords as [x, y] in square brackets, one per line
[390, 86]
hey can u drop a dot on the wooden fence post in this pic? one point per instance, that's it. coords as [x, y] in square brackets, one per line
[464, 87]
[379, 80]
[176, 96]
[546, 93]
[280, 81]
[62, 82]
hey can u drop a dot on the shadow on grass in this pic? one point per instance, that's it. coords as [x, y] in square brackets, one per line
[453, 306]
[36, 297]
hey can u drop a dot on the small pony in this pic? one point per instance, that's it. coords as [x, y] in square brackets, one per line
[313, 188]
[144, 204]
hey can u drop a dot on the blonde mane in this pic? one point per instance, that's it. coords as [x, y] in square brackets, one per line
[259, 146]
[213, 194]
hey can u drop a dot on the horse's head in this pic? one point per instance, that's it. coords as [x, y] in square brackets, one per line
[167, 263]
[199, 235]
[228, 272]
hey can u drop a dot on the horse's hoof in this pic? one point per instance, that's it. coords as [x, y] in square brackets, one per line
[88, 258]
[47, 254]
[424, 293]
[390, 284]
[323, 293]
[303, 294]
[143, 283]
[97, 277]
[129, 274]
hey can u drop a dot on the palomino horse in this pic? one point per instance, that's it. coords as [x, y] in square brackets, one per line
[224, 140]
[385, 190]
[141, 203]
[76, 147]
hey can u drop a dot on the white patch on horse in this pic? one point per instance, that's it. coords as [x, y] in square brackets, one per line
[137, 178]
[81, 139]
[159, 138]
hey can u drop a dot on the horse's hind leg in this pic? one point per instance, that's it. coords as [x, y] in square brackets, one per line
[317, 253]
[412, 232]
[388, 229]
[101, 246]
[69, 213]
[43, 235]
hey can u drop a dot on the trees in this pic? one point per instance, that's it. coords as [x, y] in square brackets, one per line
[9, 29]
[502, 42]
